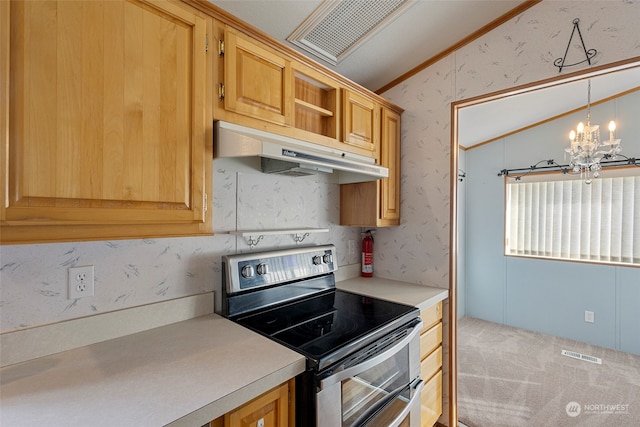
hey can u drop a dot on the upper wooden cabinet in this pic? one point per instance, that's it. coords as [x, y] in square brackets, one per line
[316, 99]
[257, 82]
[261, 87]
[109, 120]
[377, 203]
[361, 122]
[390, 158]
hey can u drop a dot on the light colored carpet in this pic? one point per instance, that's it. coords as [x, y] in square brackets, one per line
[510, 377]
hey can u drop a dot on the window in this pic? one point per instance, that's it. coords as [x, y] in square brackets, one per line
[568, 219]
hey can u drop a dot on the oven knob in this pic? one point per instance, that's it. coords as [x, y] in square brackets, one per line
[317, 260]
[263, 269]
[247, 271]
[327, 258]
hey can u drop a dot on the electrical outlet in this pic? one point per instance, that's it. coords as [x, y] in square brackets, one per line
[260, 423]
[352, 247]
[80, 282]
[589, 317]
[352, 256]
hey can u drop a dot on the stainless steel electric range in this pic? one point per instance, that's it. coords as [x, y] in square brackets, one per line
[363, 356]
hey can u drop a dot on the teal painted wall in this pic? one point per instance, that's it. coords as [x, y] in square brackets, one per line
[544, 295]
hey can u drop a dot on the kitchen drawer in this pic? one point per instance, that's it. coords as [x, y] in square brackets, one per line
[431, 339]
[431, 400]
[430, 316]
[431, 364]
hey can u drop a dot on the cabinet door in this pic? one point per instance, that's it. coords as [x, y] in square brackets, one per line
[361, 122]
[390, 158]
[377, 203]
[258, 82]
[269, 410]
[110, 123]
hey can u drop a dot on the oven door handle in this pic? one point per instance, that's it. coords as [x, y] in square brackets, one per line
[366, 418]
[341, 373]
[407, 409]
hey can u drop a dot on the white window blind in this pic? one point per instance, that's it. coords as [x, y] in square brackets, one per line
[569, 219]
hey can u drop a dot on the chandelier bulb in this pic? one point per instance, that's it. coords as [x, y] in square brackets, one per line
[587, 150]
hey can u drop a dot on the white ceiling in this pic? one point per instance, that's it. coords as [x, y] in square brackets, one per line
[422, 31]
[486, 121]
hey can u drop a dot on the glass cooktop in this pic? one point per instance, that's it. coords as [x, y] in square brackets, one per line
[319, 326]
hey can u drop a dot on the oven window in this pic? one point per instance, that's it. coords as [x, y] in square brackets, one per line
[375, 395]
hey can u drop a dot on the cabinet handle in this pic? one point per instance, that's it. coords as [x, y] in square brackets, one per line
[221, 47]
[221, 91]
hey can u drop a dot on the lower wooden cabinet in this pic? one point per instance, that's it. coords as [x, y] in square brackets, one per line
[431, 364]
[432, 400]
[274, 408]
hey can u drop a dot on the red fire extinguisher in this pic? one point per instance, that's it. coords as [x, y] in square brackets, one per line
[367, 255]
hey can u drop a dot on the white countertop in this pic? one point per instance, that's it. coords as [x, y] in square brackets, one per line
[420, 296]
[184, 374]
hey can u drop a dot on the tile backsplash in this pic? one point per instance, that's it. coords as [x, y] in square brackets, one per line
[129, 273]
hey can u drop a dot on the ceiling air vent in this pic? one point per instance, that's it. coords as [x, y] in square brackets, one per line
[336, 28]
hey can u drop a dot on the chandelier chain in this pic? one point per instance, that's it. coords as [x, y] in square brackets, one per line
[589, 103]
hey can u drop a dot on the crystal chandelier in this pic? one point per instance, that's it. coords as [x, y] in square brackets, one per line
[587, 150]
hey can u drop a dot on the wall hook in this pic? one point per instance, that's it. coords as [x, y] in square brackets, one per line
[253, 242]
[299, 237]
[588, 53]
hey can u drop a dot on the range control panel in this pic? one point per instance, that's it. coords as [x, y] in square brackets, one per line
[261, 269]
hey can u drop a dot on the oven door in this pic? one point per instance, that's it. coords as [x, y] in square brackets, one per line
[377, 386]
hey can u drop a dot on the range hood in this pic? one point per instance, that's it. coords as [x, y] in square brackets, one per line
[293, 157]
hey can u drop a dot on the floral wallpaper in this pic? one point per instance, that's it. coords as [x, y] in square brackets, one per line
[131, 273]
[519, 52]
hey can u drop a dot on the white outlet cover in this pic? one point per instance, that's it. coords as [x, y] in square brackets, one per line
[589, 316]
[80, 282]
